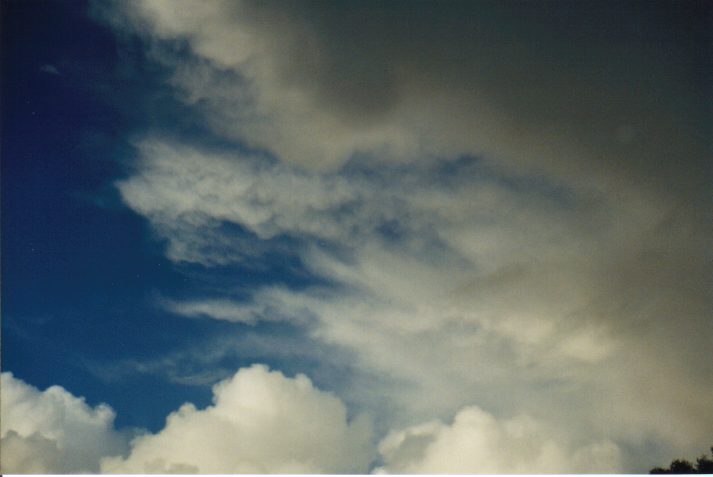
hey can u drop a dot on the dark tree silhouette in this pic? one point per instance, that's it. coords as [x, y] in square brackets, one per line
[703, 465]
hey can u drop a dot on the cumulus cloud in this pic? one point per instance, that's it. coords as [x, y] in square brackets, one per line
[464, 281]
[260, 422]
[476, 442]
[52, 431]
[514, 217]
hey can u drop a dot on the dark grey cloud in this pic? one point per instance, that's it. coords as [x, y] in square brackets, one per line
[565, 276]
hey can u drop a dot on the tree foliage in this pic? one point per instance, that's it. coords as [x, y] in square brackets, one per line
[703, 465]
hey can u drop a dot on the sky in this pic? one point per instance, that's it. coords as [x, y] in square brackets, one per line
[355, 236]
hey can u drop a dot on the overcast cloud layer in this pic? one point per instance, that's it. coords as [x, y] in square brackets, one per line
[507, 206]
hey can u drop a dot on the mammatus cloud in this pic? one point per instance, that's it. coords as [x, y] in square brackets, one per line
[260, 422]
[53, 431]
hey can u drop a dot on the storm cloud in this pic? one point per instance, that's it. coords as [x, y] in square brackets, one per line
[504, 208]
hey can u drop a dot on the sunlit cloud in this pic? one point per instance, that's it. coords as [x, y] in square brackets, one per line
[498, 225]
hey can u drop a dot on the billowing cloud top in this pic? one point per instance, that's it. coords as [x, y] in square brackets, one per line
[505, 208]
[53, 431]
[260, 422]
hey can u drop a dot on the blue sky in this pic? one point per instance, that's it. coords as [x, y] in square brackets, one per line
[417, 234]
[83, 267]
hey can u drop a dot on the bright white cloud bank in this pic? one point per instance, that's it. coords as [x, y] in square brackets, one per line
[260, 422]
[510, 298]
[53, 431]
[550, 299]
[476, 442]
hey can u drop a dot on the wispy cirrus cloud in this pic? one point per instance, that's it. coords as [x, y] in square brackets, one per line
[467, 286]
[50, 69]
[505, 214]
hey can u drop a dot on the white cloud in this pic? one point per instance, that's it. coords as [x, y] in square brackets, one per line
[268, 304]
[489, 290]
[216, 309]
[560, 277]
[477, 442]
[53, 431]
[50, 69]
[188, 193]
[260, 422]
[289, 80]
